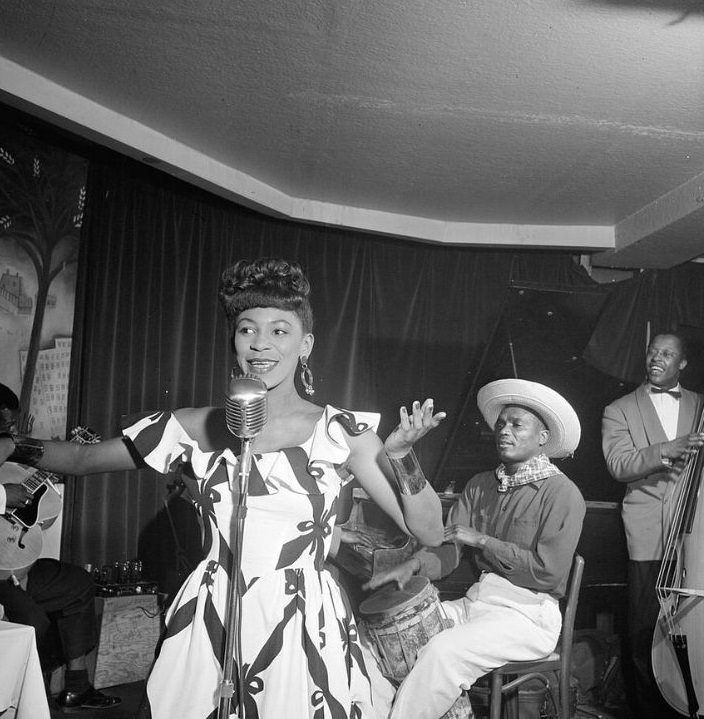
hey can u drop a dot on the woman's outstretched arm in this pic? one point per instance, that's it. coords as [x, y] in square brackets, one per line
[68, 457]
[401, 490]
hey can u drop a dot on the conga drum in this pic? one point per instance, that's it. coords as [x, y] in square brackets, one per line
[399, 622]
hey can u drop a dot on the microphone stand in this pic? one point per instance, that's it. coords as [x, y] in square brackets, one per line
[233, 642]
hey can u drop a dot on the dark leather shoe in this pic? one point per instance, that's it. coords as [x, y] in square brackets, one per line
[91, 698]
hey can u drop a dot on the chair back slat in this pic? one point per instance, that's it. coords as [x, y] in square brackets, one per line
[568, 634]
[570, 613]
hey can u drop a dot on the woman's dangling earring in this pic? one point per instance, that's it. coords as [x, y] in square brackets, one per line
[307, 377]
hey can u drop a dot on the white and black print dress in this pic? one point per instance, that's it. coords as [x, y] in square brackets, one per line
[301, 652]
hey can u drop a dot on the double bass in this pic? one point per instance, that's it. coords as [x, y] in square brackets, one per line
[678, 641]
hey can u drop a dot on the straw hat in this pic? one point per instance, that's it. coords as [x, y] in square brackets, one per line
[557, 413]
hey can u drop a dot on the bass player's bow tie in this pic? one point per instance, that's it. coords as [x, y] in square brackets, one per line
[661, 390]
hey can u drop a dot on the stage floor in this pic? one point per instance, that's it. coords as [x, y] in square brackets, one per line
[131, 695]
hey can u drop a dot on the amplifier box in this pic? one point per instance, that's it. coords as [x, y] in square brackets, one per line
[129, 631]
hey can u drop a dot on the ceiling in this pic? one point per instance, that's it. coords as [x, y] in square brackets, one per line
[572, 124]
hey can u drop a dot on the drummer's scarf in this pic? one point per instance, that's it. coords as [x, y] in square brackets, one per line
[539, 467]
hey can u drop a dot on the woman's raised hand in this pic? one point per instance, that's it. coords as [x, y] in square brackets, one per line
[412, 427]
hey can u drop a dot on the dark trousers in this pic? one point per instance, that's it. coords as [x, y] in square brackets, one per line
[643, 610]
[58, 603]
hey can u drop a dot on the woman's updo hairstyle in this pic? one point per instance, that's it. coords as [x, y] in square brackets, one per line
[266, 283]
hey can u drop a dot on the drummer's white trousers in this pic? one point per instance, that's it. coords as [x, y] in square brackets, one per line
[495, 622]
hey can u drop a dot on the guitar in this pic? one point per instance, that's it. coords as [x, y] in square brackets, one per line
[21, 528]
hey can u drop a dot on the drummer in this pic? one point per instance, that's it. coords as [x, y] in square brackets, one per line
[521, 523]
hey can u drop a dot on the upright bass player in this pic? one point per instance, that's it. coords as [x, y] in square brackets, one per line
[647, 436]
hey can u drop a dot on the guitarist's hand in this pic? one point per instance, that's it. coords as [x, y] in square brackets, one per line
[17, 496]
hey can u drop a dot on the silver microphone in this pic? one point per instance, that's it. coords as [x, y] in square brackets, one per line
[246, 406]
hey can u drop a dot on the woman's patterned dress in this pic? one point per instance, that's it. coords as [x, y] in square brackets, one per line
[301, 654]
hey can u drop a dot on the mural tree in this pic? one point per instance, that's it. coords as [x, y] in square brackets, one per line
[42, 194]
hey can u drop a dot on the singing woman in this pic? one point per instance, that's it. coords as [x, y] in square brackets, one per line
[301, 657]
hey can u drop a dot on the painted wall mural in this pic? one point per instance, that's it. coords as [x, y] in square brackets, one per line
[42, 195]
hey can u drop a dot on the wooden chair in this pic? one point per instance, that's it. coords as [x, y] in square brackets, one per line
[560, 661]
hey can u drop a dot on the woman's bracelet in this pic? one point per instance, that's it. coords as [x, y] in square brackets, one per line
[409, 475]
[27, 449]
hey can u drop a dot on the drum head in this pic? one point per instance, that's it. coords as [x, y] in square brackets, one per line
[391, 600]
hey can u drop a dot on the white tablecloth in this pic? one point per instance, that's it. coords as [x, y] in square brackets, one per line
[21, 683]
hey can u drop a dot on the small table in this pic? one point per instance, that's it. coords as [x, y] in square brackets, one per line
[22, 691]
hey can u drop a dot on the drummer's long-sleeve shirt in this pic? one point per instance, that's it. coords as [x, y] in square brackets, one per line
[532, 530]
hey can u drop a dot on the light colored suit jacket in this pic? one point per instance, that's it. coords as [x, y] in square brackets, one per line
[631, 436]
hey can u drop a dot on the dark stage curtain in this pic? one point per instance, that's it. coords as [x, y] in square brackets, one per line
[395, 321]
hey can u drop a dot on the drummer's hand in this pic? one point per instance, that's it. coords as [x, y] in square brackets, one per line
[412, 427]
[356, 536]
[460, 534]
[400, 574]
